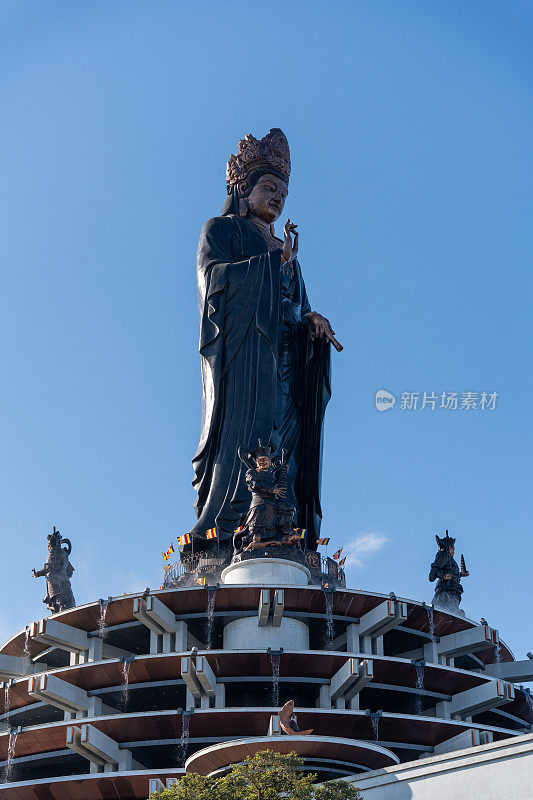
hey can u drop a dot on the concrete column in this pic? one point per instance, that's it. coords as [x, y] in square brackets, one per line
[263, 611]
[205, 677]
[324, 697]
[348, 681]
[278, 607]
[96, 649]
[190, 702]
[220, 695]
[103, 752]
[353, 704]
[202, 688]
[188, 673]
[352, 638]
[431, 655]
[167, 634]
[78, 658]
[373, 625]
[442, 709]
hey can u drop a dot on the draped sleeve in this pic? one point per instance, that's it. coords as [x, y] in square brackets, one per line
[437, 568]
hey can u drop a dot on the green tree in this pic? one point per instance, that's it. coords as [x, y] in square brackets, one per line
[266, 776]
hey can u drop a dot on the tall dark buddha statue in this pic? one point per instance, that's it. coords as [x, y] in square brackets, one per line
[264, 351]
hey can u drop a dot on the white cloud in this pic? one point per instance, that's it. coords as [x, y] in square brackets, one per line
[362, 546]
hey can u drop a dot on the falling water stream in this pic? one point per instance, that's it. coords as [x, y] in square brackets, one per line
[126, 664]
[7, 701]
[10, 753]
[429, 610]
[101, 620]
[330, 625]
[374, 718]
[419, 686]
[274, 660]
[26, 653]
[211, 598]
[499, 659]
[184, 741]
[529, 700]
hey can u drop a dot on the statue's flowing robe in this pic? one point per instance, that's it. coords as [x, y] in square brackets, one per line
[262, 377]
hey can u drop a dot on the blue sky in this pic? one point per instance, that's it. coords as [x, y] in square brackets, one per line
[410, 125]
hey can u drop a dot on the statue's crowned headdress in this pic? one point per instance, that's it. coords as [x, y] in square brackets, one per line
[445, 542]
[263, 450]
[249, 457]
[271, 152]
[54, 538]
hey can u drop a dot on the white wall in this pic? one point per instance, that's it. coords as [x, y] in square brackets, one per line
[498, 771]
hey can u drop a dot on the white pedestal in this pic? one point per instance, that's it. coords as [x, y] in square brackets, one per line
[274, 572]
[245, 634]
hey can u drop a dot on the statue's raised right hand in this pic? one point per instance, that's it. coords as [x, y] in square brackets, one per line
[289, 249]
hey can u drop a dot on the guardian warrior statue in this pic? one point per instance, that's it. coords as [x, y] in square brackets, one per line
[270, 517]
[58, 571]
[446, 572]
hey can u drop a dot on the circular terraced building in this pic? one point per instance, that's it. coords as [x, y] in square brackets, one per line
[119, 698]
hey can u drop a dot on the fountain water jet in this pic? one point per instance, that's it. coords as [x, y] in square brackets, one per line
[499, 658]
[529, 701]
[184, 741]
[7, 700]
[419, 685]
[26, 652]
[330, 625]
[13, 733]
[429, 611]
[275, 661]
[126, 664]
[101, 620]
[211, 598]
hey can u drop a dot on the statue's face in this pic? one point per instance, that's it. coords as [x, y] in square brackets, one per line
[263, 462]
[451, 550]
[267, 198]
